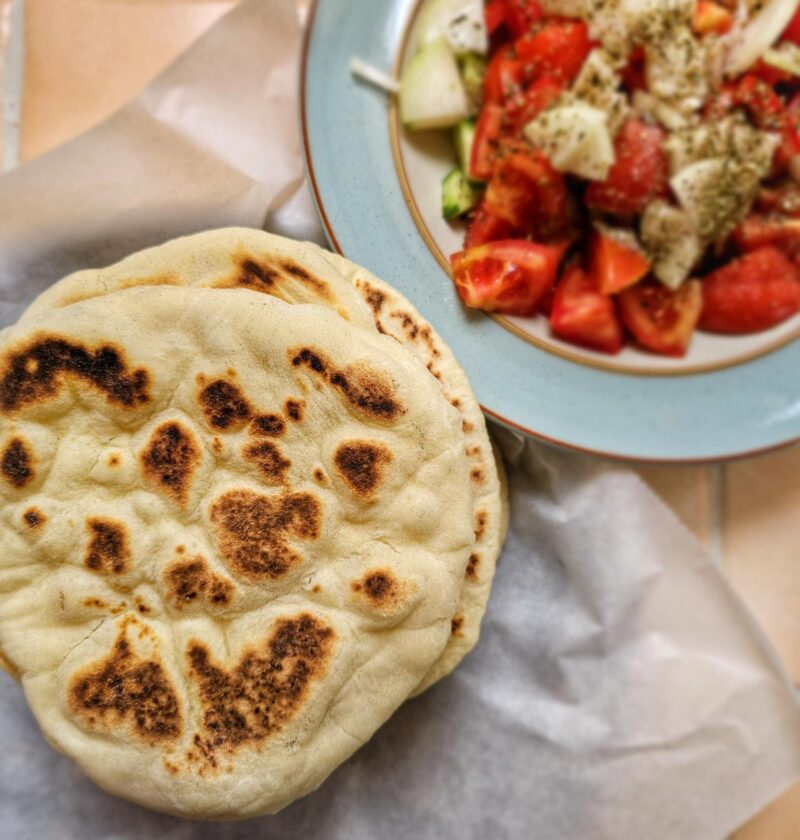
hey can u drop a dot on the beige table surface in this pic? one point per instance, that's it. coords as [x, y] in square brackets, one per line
[84, 58]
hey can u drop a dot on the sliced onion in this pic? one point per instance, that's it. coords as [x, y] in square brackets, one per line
[373, 75]
[786, 58]
[759, 34]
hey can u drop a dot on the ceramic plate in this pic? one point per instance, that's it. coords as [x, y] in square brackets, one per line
[377, 192]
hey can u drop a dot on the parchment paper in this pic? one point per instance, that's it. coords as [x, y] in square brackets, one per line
[620, 690]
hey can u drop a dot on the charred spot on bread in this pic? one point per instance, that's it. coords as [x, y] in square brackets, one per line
[170, 459]
[268, 425]
[123, 688]
[224, 404]
[35, 373]
[33, 518]
[108, 551]
[267, 457]
[16, 463]
[362, 465]
[192, 580]
[368, 390]
[250, 701]
[253, 530]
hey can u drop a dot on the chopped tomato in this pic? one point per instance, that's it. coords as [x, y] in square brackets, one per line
[767, 73]
[522, 15]
[633, 74]
[528, 193]
[484, 227]
[495, 15]
[789, 147]
[510, 276]
[753, 293]
[545, 305]
[756, 231]
[790, 135]
[784, 199]
[660, 319]
[527, 105]
[711, 18]
[503, 76]
[583, 315]
[792, 31]
[614, 265]
[719, 105]
[765, 107]
[484, 144]
[640, 173]
[557, 50]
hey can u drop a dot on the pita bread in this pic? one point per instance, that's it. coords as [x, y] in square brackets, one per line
[303, 272]
[233, 534]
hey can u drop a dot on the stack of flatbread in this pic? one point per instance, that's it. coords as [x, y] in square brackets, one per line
[248, 506]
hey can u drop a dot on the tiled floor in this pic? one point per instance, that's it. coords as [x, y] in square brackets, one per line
[84, 58]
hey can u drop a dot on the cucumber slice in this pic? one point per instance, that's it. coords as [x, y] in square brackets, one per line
[473, 73]
[463, 137]
[432, 94]
[458, 195]
[461, 22]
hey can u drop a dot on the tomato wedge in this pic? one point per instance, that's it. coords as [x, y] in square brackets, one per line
[640, 173]
[557, 50]
[790, 135]
[484, 227]
[484, 144]
[660, 319]
[767, 73]
[510, 276]
[528, 193]
[633, 74]
[792, 31]
[583, 315]
[711, 18]
[495, 15]
[504, 76]
[527, 105]
[753, 293]
[613, 264]
[761, 102]
[521, 16]
[784, 199]
[757, 231]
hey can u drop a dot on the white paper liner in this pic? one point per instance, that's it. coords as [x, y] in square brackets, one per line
[620, 689]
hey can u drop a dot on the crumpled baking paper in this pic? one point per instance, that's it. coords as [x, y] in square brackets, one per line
[620, 690]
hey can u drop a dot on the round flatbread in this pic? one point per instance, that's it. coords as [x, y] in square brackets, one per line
[233, 533]
[304, 273]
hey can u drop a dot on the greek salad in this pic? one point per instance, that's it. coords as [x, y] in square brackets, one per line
[628, 169]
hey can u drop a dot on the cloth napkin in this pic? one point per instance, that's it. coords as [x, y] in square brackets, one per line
[620, 689]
